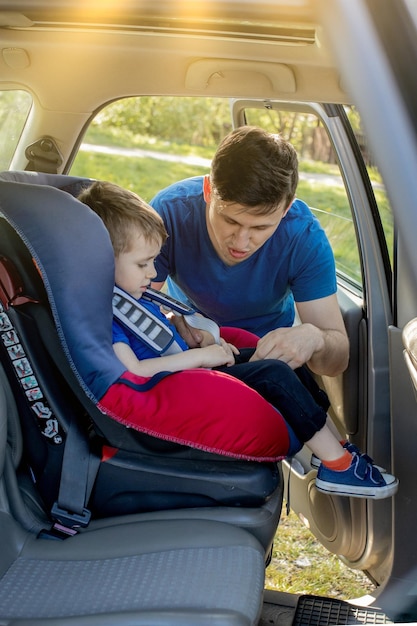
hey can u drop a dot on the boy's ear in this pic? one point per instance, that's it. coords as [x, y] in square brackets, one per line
[207, 189]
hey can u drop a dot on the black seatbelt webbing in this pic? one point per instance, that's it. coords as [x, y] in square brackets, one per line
[79, 464]
[79, 469]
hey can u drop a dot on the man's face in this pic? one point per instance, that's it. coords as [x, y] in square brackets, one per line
[237, 234]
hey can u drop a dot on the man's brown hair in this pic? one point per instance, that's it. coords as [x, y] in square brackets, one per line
[256, 169]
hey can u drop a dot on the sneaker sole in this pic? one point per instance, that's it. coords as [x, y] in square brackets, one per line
[315, 463]
[377, 493]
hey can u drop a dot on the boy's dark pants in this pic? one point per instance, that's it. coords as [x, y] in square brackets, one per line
[294, 393]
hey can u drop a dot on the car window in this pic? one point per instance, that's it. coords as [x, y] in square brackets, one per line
[147, 143]
[321, 184]
[14, 110]
[385, 214]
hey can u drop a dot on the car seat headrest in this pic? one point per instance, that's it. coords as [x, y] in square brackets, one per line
[71, 184]
[72, 250]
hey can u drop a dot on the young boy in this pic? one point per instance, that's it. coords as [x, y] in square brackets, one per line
[137, 233]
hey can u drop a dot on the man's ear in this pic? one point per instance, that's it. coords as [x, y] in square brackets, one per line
[207, 189]
[288, 208]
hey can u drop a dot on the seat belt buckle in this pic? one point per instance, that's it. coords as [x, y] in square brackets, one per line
[70, 519]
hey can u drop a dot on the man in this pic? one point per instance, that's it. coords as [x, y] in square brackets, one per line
[244, 251]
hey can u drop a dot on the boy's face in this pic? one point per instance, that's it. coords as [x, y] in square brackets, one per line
[135, 268]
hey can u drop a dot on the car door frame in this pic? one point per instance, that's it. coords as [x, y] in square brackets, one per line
[355, 530]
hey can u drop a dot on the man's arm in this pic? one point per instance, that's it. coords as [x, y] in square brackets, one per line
[320, 340]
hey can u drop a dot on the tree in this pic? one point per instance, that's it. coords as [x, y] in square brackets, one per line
[191, 121]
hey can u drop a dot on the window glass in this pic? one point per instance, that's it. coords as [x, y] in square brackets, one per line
[381, 198]
[385, 213]
[321, 185]
[147, 143]
[14, 110]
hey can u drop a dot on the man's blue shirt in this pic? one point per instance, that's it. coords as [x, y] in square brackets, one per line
[258, 294]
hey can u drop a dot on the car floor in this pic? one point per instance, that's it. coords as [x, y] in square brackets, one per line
[278, 608]
[285, 609]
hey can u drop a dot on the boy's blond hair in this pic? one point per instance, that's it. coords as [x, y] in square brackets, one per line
[124, 213]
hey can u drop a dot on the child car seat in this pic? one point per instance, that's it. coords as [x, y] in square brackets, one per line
[113, 469]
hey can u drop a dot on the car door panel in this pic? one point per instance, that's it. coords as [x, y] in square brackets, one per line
[410, 349]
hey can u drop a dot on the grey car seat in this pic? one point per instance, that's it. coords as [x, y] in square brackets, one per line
[160, 572]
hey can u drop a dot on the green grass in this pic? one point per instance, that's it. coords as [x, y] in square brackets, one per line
[144, 176]
[113, 136]
[299, 563]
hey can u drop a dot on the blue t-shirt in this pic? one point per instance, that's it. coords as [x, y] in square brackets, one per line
[139, 347]
[258, 294]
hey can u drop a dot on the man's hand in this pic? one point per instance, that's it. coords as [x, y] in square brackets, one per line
[295, 346]
[193, 337]
[320, 340]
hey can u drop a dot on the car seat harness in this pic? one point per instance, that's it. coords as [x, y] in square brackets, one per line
[151, 330]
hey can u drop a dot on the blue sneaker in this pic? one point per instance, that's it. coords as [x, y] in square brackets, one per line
[315, 462]
[360, 480]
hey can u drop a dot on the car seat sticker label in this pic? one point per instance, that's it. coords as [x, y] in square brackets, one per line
[5, 322]
[10, 338]
[22, 367]
[16, 351]
[48, 424]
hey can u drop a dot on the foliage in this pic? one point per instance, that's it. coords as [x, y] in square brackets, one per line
[300, 564]
[205, 121]
[194, 126]
[194, 121]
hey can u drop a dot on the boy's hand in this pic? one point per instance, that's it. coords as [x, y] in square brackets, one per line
[231, 351]
[197, 338]
[216, 355]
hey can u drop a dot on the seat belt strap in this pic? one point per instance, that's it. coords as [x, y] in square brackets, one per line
[79, 470]
[79, 464]
[149, 328]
